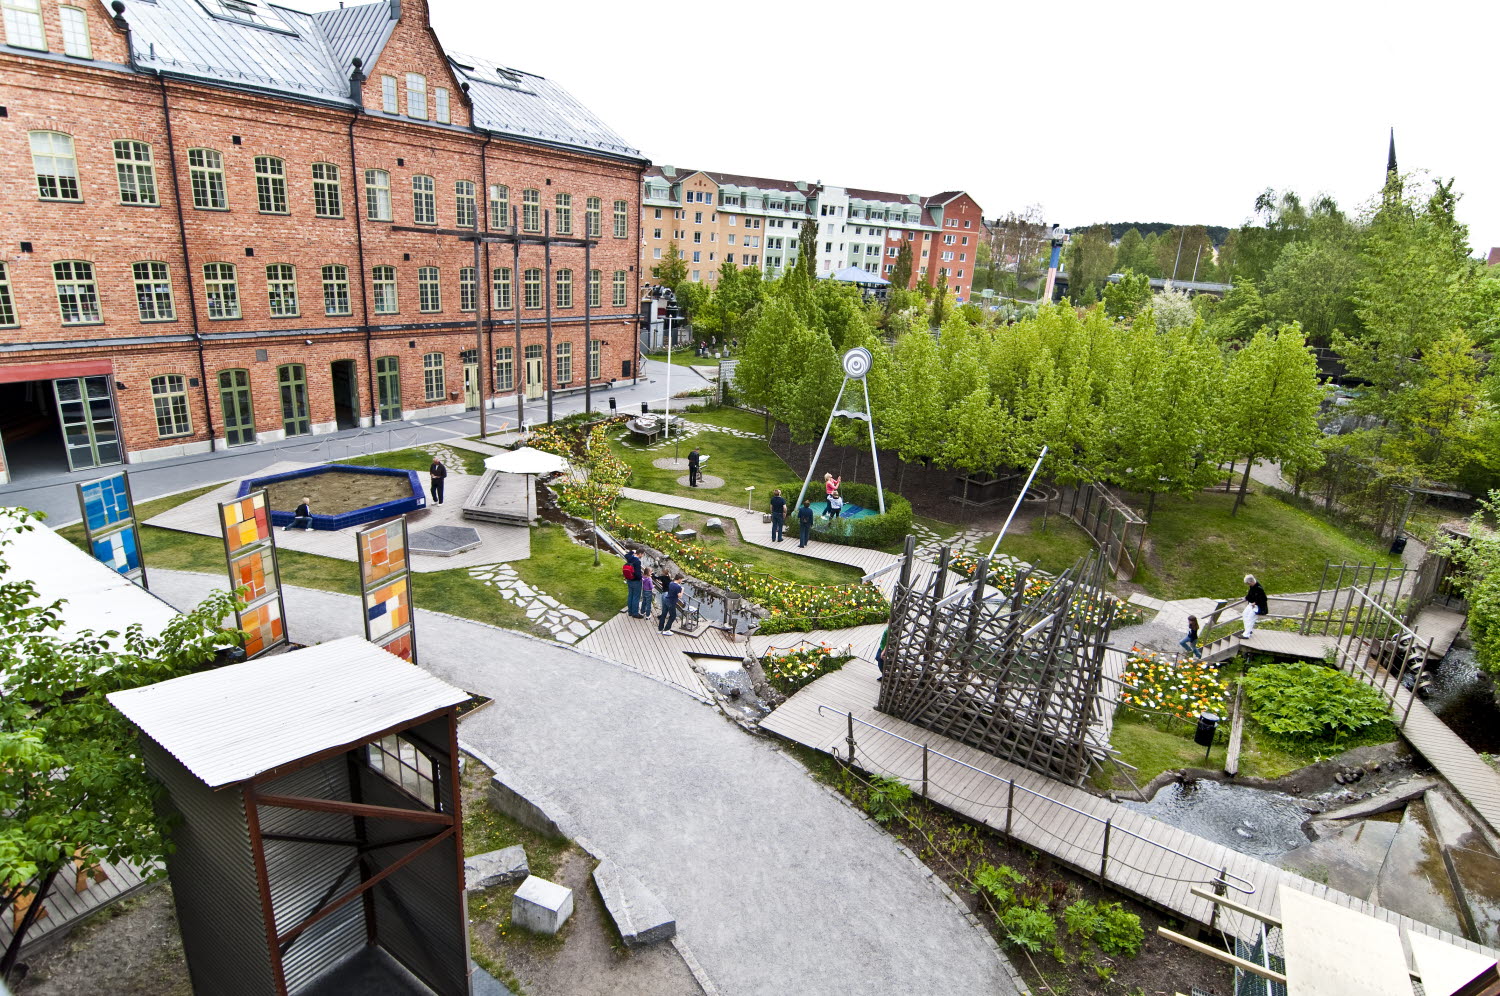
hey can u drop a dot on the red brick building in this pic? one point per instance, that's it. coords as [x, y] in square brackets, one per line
[947, 241]
[231, 223]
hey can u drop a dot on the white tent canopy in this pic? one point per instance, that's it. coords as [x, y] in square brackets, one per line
[526, 460]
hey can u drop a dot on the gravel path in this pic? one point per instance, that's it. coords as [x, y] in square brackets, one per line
[778, 885]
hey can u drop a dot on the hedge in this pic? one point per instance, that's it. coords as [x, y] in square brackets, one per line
[873, 531]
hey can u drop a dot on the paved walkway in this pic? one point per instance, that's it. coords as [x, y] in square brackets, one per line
[778, 885]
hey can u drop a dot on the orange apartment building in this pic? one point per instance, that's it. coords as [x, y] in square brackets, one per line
[232, 223]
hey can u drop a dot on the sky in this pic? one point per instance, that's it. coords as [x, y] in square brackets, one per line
[1144, 111]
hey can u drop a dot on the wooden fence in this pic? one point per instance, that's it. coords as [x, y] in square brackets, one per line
[1116, 530]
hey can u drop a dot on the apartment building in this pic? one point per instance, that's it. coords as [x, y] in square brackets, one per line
[233, 223]
[718, 218]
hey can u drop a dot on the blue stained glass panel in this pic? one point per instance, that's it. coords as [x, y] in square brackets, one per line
[106, 503]
[119, 550]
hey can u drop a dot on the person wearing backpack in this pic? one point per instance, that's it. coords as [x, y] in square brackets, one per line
[632, 573]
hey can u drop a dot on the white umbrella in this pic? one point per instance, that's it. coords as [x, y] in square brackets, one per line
[526, 460]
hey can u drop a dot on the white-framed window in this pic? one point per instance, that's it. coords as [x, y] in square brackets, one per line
[622, 221]
[619, 289]
[434, 387]
[697, 255]
[7, 302]
[505, 368]
[399, 760]
[532, 285]
[281, 290]
[563, 214]
[656, 253]
[75, 32]
[656, 233]
[153, 291]
[55, 165]
[336, 290]
[206, 177]
[169, 400]
[23, 24]
[564, 289]
[564, 370]
[467, 289]
[697, 218]
[328, 194]
[596, 356]
[499, 205]
[135, 171]
[416, 96]
[500, 288]
[949, 240]
[77, 294]
[596, 287]
[466, 208]
[732, 237]
[423, 200]
[221, 286]
[440, 104]
[388, 95]
[531, 210]
[593, 216]
[377, 195]
[270, 185]
[383, 280]
[429, 290]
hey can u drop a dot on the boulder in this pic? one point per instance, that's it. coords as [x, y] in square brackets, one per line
[484, 871]
[669, 523]
[638, 914]
[714, 524]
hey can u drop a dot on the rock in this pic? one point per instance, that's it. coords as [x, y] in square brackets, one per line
[714, 524]
[541, 906]
[639, 915]
[686, 534]
[482, 871]
[669, 523]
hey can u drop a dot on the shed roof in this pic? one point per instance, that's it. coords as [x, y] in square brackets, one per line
[233, 723]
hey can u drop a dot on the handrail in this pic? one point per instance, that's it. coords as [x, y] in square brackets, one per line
[1224, 874]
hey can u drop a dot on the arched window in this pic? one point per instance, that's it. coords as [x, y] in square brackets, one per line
[55, 165]
[533, 287]
[153, 291]
[499, 205]
[416, 96]
[531, 210]
[281, 290]
[465, 209]
[23, 24]
[434, 387]
[377, 195]
[336, 290]
[500, 286]
[466, 289]
[619, 289]
[222, 289]
[423, 200]
[563, 214]
[622, 219]
[564, 371]
[564, 289]
[593, 212]
[206, 175]
[75, 32]
[429, 289]
[77, 295]
[384, 282]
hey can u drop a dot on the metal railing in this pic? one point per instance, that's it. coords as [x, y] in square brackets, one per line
[1382, 651]
[1234, 605]
[1223, 876]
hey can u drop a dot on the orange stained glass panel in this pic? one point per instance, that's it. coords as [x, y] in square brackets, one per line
[253, 571]
[263, 627]
[383, 550]
[401, 646]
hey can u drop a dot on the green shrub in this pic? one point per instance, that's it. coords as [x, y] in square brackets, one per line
[886, 797]
[999, 881]
[1299, 698]
[1105, 925]
[867, 530]
[1028, 928]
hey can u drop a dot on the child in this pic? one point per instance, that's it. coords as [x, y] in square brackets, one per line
[1189, 643]
[835, 505]
[648, 590]
[302, 518]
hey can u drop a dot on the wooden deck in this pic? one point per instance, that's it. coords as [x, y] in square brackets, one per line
[66, 907]
[1147, 859]
[1271, 641]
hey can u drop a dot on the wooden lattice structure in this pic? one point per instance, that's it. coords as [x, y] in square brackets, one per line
[1014, 673]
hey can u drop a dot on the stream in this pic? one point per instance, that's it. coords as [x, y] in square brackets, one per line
[1463, 696]
[1248, 820]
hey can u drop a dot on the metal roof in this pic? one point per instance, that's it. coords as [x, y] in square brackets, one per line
[233, 723]
[308, 56]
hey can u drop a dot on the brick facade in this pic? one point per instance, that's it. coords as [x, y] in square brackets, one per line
[97, 105]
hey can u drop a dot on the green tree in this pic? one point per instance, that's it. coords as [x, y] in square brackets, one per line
[1132, 254]
[1270, 404]
[807, 250]
[901, 275]
[1241, 314]
[1091, 259]
[1479, 556]
[73, 779]
[1126, 297]
[1440, 420]
[672, 270]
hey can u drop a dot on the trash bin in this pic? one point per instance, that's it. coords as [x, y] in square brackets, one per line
[1398, 545]
[1207, 723]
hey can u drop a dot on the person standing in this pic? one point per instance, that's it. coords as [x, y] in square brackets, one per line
[805, 521]
[1255, 605]
[302, 517]
[835, 505]
[778, 516]
[693, 460]
[437, 474]
[648, 593]
[1189, 643]
[831, 484]
[669, 599]
[632, 572]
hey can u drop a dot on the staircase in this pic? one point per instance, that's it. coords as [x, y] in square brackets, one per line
[1270, 641]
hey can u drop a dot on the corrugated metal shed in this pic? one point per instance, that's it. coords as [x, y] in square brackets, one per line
[233, 723]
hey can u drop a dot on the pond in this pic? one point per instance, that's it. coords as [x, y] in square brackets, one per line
[1248, 820]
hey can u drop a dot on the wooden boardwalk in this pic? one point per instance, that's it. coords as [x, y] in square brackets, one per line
[66, 906]
[1270, 641]
[1144, 858]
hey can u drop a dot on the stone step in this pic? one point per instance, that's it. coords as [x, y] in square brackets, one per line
[638, 914]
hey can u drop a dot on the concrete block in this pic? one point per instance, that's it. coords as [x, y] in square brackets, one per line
[541, 906]
[669, 523]
[686, 534]
[513, 803]
[639, 915]
[714, 524]
[483, 871]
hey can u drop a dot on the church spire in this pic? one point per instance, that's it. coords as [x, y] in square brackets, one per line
[1390, 159]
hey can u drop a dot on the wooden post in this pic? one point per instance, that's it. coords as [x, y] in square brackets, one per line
[1010, 804]
[1104, 853]
[850, 739]
[1236, 731]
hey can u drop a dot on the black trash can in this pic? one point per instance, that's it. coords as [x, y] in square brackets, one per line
[1207, 723]
[1398, 545]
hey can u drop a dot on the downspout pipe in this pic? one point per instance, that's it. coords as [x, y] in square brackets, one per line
[356, 93]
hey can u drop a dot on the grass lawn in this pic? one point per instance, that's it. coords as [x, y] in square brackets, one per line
[417, 459]
[687, 357]
[1053, 549]
[782, 563]
[730, 418]
[739, 461]
[1199, 550]
[565, 570]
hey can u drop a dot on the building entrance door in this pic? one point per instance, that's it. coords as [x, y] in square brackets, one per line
[345, 393]
[536, 383]
[470, 359]
[388, 383]
[234, 401]
[86, 412]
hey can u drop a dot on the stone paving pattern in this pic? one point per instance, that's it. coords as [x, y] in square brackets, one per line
[566, 625]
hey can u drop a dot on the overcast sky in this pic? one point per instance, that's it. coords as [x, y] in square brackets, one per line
[1145, 111]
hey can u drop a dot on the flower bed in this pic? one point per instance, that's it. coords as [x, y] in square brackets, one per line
[789, 670]
[1163, 683]
[1003, 577]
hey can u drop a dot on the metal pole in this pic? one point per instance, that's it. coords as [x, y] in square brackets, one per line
[518, 365]
[819, 452]
[550, 377]
[1010, 804]
[924, 771]
[479, 340]
[669, 372]
[1104, 854]
[874, 454]
[1019, 498]
[588, 334]
[850, 738]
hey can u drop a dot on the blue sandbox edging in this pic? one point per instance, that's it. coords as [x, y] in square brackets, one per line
[359, 516]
